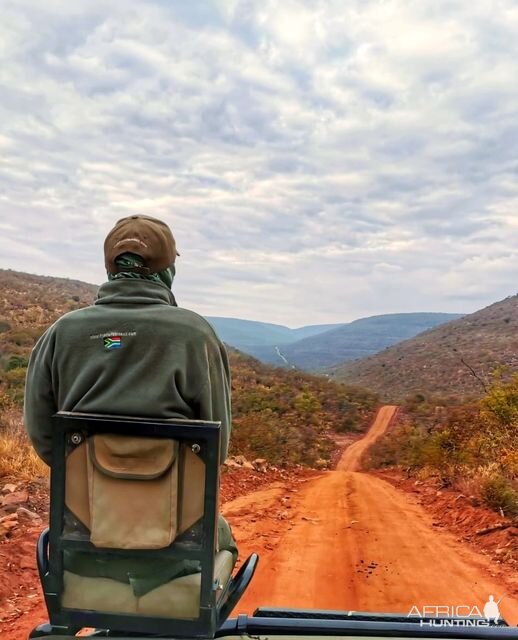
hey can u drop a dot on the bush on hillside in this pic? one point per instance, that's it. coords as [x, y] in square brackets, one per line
[499, 494]
[14, 383]
[16, 362]
[25, 337]
[499, 410]
[475, 443]
[282, 442]
[404, 447]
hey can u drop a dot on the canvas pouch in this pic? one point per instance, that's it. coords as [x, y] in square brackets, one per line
[132, 491]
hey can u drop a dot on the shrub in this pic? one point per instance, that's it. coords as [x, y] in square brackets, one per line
[16, 362]
[500, 405]
[306, 403]
[499, 494]
[349, 425]
[510, 464]
[404, 446]
[285, 441]
[25, 337]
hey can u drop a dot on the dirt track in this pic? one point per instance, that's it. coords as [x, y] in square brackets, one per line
[349, 540]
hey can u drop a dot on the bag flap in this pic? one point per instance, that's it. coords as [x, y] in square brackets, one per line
[132, 458]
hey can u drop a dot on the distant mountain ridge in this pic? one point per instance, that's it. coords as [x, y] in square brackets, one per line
[454, 359]
[356, 339]
[312, 347]
[250, 333]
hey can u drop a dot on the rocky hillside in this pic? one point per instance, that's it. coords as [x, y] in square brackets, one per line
[29, 301]
[454, 360]
[284, 416]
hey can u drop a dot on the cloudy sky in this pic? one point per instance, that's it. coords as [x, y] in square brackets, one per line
[317, 161]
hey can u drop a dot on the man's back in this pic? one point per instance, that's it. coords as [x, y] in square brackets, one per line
[131, 353]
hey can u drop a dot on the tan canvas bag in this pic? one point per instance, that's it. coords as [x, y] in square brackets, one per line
[133, 491]
[130, 490]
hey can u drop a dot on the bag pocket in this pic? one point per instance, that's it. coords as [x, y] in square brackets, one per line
[133, 491]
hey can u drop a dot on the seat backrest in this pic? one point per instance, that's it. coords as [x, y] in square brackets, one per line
[134, 492]
[134, 518]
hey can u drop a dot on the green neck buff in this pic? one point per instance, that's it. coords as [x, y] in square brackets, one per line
[131, 261]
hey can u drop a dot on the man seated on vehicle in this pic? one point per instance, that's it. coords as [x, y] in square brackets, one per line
[133, 352]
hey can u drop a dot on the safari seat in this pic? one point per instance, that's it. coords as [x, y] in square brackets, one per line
[179, 598]
[133, 540]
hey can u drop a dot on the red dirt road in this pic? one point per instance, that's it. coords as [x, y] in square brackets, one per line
[334, 540]
[349, 540]
[351, 458]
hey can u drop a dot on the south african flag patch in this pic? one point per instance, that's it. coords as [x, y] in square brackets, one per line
[112, 342]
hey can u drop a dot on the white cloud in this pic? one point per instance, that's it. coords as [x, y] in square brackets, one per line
[317, 161]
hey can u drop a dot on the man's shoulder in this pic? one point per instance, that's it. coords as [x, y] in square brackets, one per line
[77, 315]
[66, 318]
[164, 317]
[192, 320]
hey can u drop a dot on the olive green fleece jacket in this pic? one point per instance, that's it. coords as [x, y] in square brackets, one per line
[133, 353]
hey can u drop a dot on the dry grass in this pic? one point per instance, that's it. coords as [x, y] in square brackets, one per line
[18, 460]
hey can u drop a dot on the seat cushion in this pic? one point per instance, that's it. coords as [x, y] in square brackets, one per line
[179, 598]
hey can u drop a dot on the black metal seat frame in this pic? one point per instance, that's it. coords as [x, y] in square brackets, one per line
[70, 429]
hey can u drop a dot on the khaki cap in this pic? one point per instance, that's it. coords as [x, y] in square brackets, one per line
[149, 238]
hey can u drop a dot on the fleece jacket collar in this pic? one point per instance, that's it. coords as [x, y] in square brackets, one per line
[134, 291]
